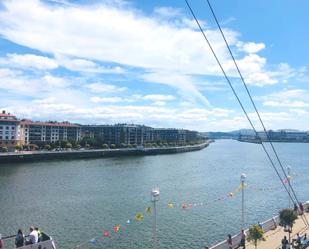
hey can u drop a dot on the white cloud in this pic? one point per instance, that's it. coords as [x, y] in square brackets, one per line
[106, 100]
[291, 98]
[122, 35]
[29, 61]
[158, 97]
[104, 88]
[286, 103]
[251, 47]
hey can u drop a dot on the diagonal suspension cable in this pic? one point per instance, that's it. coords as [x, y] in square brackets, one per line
[252, 102]
[240, 103]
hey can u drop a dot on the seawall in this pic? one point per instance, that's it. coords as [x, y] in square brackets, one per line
[30, 156]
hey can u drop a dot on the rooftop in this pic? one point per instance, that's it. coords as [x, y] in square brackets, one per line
[57, 124]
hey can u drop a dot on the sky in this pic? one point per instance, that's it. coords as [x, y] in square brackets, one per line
[145, 62]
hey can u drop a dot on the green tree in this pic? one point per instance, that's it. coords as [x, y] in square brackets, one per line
[47, 147]
[18, 147]
[255, 234]
[113, 146]
[63, 143]
[287, 218]
[68, 145]
[104, 146]
[4, 149]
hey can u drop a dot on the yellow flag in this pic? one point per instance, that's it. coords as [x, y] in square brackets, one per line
[170, 205]
[139, 217]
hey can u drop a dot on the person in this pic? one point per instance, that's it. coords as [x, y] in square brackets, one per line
[19, 239]
[229, 241]
[284, 243]
[33, 236]
[275, 223]
[295, 209]
[242, 242]
[301, 208]
[39, 234]
[1, 242]
[298, 241]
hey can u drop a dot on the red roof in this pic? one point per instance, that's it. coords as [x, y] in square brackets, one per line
[7, 115]
[57, 124]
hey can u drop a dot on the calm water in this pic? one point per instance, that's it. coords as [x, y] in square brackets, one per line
[76, 200]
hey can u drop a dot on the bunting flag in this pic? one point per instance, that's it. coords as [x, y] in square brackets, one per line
[170, 205]
[139, 217]
[106, 233]
[116, 228]
[184, 205]
[93, 241]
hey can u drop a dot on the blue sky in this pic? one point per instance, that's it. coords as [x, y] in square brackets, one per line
[145, 62]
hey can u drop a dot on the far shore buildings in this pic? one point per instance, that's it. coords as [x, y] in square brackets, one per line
[27, 132]
[9, 130]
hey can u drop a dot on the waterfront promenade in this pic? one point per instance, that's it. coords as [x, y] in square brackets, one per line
[96, 153]
[274, 237]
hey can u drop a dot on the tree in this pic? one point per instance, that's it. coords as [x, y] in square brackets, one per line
[18, 147]
[287, 218]
[68, 145]
[47, 147]
[104, 146]
[113, 146]
[4, 149]
[255, 234]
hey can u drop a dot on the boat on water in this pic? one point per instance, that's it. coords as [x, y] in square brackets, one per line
[46, 242]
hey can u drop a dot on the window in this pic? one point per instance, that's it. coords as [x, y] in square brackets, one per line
[13, 137]
[6, 137]
[13, 128]
[8, 127]
[1, 127]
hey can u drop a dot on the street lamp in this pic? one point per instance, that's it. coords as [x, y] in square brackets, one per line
[242, 184]
[155, 194]
[289, 183]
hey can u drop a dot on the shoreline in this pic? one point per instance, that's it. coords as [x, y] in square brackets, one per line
[31, 156]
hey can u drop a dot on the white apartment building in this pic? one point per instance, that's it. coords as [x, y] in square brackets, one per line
[9, 130]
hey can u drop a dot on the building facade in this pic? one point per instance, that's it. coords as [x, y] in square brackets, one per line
[9, 131]
[48, 132]
[118, 134]
[27, 132]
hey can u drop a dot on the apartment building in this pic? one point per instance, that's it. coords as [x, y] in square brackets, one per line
[9, 130]
[48, 132]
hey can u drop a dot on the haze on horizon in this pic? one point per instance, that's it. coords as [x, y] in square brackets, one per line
[144, 62]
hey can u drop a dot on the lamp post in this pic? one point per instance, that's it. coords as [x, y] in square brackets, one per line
[155, 194]
[242, 184]
[289, 183]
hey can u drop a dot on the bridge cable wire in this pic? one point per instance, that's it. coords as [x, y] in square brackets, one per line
[252, 102]
[239, 101]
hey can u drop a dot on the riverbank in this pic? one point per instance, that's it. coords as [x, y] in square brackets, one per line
[258, 141]
[30, 156]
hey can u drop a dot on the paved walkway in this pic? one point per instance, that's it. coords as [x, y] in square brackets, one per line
[274, 237]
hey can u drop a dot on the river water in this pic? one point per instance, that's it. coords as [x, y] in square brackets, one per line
[77, 200]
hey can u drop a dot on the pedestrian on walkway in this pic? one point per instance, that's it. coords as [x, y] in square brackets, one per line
[242, 242]
[229, 241]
